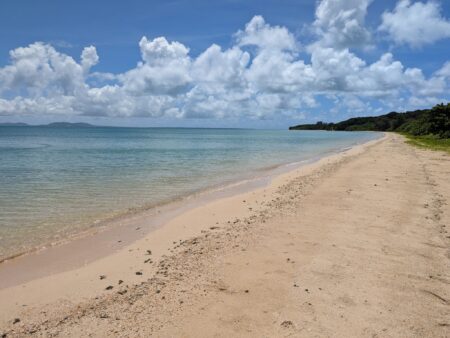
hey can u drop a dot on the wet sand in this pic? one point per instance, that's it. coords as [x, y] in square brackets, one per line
[355, 244]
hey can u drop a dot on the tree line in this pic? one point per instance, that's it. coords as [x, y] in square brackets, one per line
[434, 121]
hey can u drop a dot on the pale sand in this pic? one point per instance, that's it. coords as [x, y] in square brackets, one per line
[353, 245]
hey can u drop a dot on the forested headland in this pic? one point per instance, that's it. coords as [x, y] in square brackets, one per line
[435, 121]
[428, 127]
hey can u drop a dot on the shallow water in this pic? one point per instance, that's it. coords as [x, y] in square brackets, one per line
[59, 181]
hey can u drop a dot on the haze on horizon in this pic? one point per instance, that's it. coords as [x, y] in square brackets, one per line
[266, 64]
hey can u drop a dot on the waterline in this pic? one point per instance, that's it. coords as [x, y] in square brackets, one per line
[57, 182]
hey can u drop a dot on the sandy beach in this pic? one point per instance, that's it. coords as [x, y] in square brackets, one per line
[355, 244]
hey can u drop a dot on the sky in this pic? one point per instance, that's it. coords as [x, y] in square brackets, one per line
[225, 63]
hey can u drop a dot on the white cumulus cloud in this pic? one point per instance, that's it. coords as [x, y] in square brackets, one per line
[340, 23]
[265, 73]
[415, 24]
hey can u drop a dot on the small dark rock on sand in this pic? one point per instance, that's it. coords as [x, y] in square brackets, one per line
[287, 323]
[139, 273]
[109, 287]
[16, 320]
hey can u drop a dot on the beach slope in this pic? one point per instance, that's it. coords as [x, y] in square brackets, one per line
[356, 244]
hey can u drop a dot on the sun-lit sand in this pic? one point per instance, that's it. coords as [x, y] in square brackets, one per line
[352, 245]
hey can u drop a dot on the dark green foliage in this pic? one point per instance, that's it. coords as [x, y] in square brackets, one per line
[435, 121]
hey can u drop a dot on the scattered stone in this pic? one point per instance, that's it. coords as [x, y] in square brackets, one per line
[138, 228]
[109, 287]
[295, 286]
[120, 281]
[102, 277]
[246, 291]
[287, 324]
[149, 252]
[306, 290]
[16, 320]
[139, 273]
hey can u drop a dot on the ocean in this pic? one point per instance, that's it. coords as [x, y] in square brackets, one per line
[57, 181]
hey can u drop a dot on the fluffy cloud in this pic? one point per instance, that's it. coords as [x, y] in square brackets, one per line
[164, 70]
[258, 33]
[415, 24]
[264, 74]
[444, 71]
[89, 58]
[340, 23]
[40, 70]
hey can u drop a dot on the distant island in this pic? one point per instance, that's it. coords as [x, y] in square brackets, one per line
[69, 125]
[52, 125]
[9, 124]
[434, 121]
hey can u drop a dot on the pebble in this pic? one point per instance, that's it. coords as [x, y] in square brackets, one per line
[287, 323]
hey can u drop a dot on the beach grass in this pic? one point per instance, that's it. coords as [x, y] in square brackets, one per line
[429, 142]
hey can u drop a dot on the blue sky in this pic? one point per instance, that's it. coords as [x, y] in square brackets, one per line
[279, 63]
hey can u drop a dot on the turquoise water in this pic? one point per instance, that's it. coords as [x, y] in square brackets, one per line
[57, 181]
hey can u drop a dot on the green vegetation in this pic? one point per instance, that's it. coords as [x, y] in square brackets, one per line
[426, 128]
[430, 142]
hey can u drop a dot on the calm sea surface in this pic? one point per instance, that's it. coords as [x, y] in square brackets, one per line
[58, 181]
